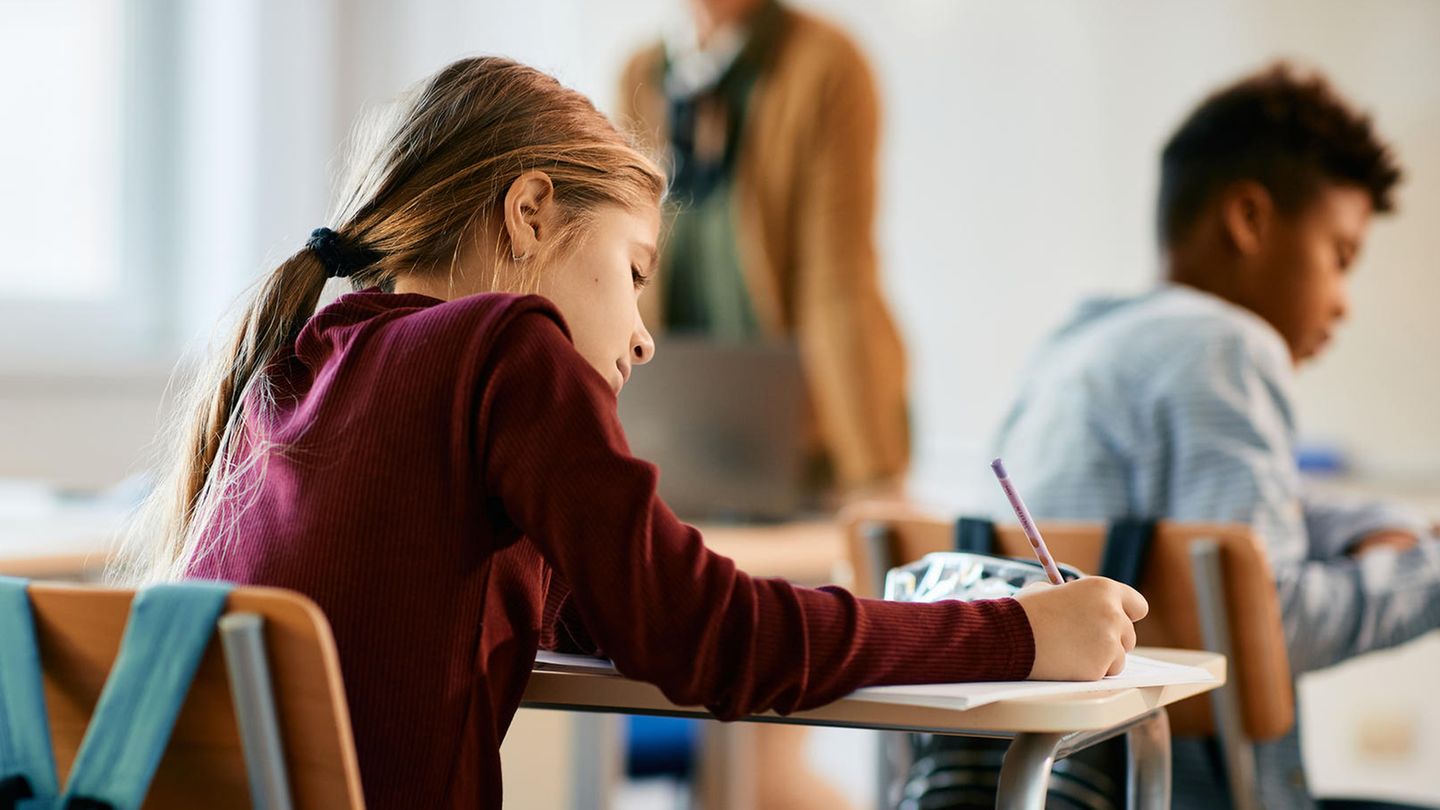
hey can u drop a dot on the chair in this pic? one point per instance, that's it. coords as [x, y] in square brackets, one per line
[217, 757]
[1209, 587]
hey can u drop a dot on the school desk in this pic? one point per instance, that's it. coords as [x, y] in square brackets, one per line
[806, 552]
[76, 541]
[71, 541]
[1040, 729]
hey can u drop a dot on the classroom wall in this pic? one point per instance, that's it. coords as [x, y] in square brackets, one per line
[1019, 174]
[1019, 171]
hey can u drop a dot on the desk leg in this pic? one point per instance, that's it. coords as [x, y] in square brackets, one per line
[726, 779]
[1148, 775]
[597, 760]
[1025, 773]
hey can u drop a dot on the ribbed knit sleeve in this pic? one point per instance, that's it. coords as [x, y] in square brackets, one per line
[660, 604]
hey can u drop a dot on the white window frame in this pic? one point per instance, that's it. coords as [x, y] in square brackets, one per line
[132, 326]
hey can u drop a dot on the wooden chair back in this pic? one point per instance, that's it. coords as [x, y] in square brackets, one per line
[1260, 669]
[79, 630]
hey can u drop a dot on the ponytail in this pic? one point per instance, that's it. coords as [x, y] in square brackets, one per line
[426, 176]
[163, 538]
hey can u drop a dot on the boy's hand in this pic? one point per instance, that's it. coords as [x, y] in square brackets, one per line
[1387, 538]
[1083, 628]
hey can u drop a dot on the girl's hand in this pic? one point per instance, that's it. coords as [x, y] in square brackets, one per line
[1083, 628]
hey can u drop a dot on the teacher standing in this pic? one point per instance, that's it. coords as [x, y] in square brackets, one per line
[770, 120]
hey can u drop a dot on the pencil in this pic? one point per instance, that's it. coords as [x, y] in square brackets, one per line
[1027, 524]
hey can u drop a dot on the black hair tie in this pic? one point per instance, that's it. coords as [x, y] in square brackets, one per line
[341, 260]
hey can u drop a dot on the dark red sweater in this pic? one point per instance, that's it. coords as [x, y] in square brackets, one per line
[446, 478]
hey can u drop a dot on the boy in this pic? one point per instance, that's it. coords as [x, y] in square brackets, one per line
[1179, 403]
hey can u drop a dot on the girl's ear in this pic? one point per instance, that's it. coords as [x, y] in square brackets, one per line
[1246, 211]
[529, 213]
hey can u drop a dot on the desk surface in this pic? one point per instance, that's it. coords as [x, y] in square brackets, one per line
[75, 542]
[77, 539]
[1082, 712]
[63, 543]
[806, 552]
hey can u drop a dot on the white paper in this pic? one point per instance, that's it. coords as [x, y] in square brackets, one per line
[564, 662]
[1139, 671]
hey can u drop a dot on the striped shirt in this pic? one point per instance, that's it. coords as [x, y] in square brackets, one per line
[1177, 404]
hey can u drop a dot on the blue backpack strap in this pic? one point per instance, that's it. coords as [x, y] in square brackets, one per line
[27, 762]
[169, 628]
[1126, 545]
[975, 535]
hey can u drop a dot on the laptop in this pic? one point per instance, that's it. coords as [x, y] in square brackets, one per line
[725, 422]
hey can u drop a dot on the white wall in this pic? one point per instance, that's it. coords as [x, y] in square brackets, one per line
[1021, 170]
[1020, 153]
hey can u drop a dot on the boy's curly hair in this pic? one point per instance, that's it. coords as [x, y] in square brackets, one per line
[1288, 131]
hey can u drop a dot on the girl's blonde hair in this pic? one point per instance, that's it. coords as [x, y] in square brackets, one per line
[437, 173]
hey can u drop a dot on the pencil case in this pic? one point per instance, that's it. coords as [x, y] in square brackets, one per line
[965, 576]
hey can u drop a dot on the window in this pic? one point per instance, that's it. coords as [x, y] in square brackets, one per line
[83, 162]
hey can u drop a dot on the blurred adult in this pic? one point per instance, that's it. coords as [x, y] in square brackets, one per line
[769, 119]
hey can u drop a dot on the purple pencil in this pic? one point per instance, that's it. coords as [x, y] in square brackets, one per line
[1027, 523]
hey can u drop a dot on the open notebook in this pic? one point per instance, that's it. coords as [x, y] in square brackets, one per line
[1139, 671]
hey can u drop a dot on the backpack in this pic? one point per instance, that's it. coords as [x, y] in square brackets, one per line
[168, 629]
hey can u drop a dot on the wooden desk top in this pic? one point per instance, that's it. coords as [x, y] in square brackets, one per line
[1059, 714]
[69, 543]
[77, 540]
[76, 544]
[810, 552]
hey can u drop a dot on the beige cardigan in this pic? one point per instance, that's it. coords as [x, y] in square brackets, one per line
[805, 200]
